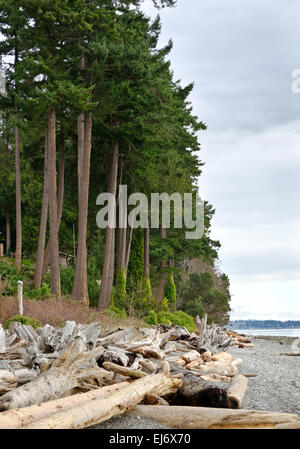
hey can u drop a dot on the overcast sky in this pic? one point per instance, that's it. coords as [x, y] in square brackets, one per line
[241, 55]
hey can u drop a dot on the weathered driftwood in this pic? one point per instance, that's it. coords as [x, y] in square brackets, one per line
[114, 355]
[291, 354]
[14, 419]
[221, 368]
[120, 337]
[224, 356]
[237, 390]
[98, 410]
[124, 371]
[197, 392]
[190, 356]
[215, 378]
[209, 418]
[57, 382]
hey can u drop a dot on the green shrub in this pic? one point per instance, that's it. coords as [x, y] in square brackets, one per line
[9, 276]
[194, 307]
[151, 318]
[148, 289]
[66, 280]
[179, 317]
[120, 291]
[170, 292]
[115, 312]
[38, 293]
[24, 320]
[164, 306]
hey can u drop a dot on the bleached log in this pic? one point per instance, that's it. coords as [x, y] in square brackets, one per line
[124, 371]
[114, 355]
[223, 369]
[119, 338]
[99, 410]
[291, 354]
[27, 415]
[224, 356]
[210, 418]
[191, 356]
[194, 364]
[237, 390]
[147, 365]
[8, 381]
[206, 356]
[215, 378]
[57, 382]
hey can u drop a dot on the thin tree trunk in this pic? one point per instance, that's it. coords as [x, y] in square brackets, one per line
[60, 200]
[80, 133]
[18, 254]
[53, 220]
[8, 232]
[106, 284]
[146, 252]
[162, 280]
[43, 222]
[128, 247]
[80, 287]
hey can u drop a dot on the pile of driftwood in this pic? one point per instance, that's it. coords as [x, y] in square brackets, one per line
[242, 341]
[75, 377]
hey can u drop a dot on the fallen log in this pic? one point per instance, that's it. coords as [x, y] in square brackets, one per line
[15, 419]
[124, 371]
[291, 354]
[223, 369]
[58, 381]
[237, 390]
[99, 410]
[224, 356]
[197, 392]
[209, 418]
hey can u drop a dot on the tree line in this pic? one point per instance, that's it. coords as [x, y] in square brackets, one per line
[91, 103]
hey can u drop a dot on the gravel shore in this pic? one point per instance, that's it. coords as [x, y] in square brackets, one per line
[276, 388]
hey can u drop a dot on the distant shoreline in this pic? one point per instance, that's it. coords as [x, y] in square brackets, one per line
[254, 332]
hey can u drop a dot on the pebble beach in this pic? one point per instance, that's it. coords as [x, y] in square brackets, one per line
[275, 388]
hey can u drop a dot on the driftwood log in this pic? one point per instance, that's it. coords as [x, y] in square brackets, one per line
[237, 390]
[197, 392]
[58, 381]
[98, 410]
[14, 419]
[209, 418]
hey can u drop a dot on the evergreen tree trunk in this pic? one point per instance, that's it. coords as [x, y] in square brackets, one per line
[162, 280]
[53, 219]
[43, 222]
[107, 272]
[60, 200]
[80, 133]
[18, 253]
[8, 232]
[146, 252]
[80, 287]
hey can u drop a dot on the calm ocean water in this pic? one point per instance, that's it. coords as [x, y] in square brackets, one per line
[282, 332]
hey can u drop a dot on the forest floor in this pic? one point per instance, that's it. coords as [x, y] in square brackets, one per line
[276, 388]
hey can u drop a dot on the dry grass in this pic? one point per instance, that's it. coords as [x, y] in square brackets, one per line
[57, 312]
